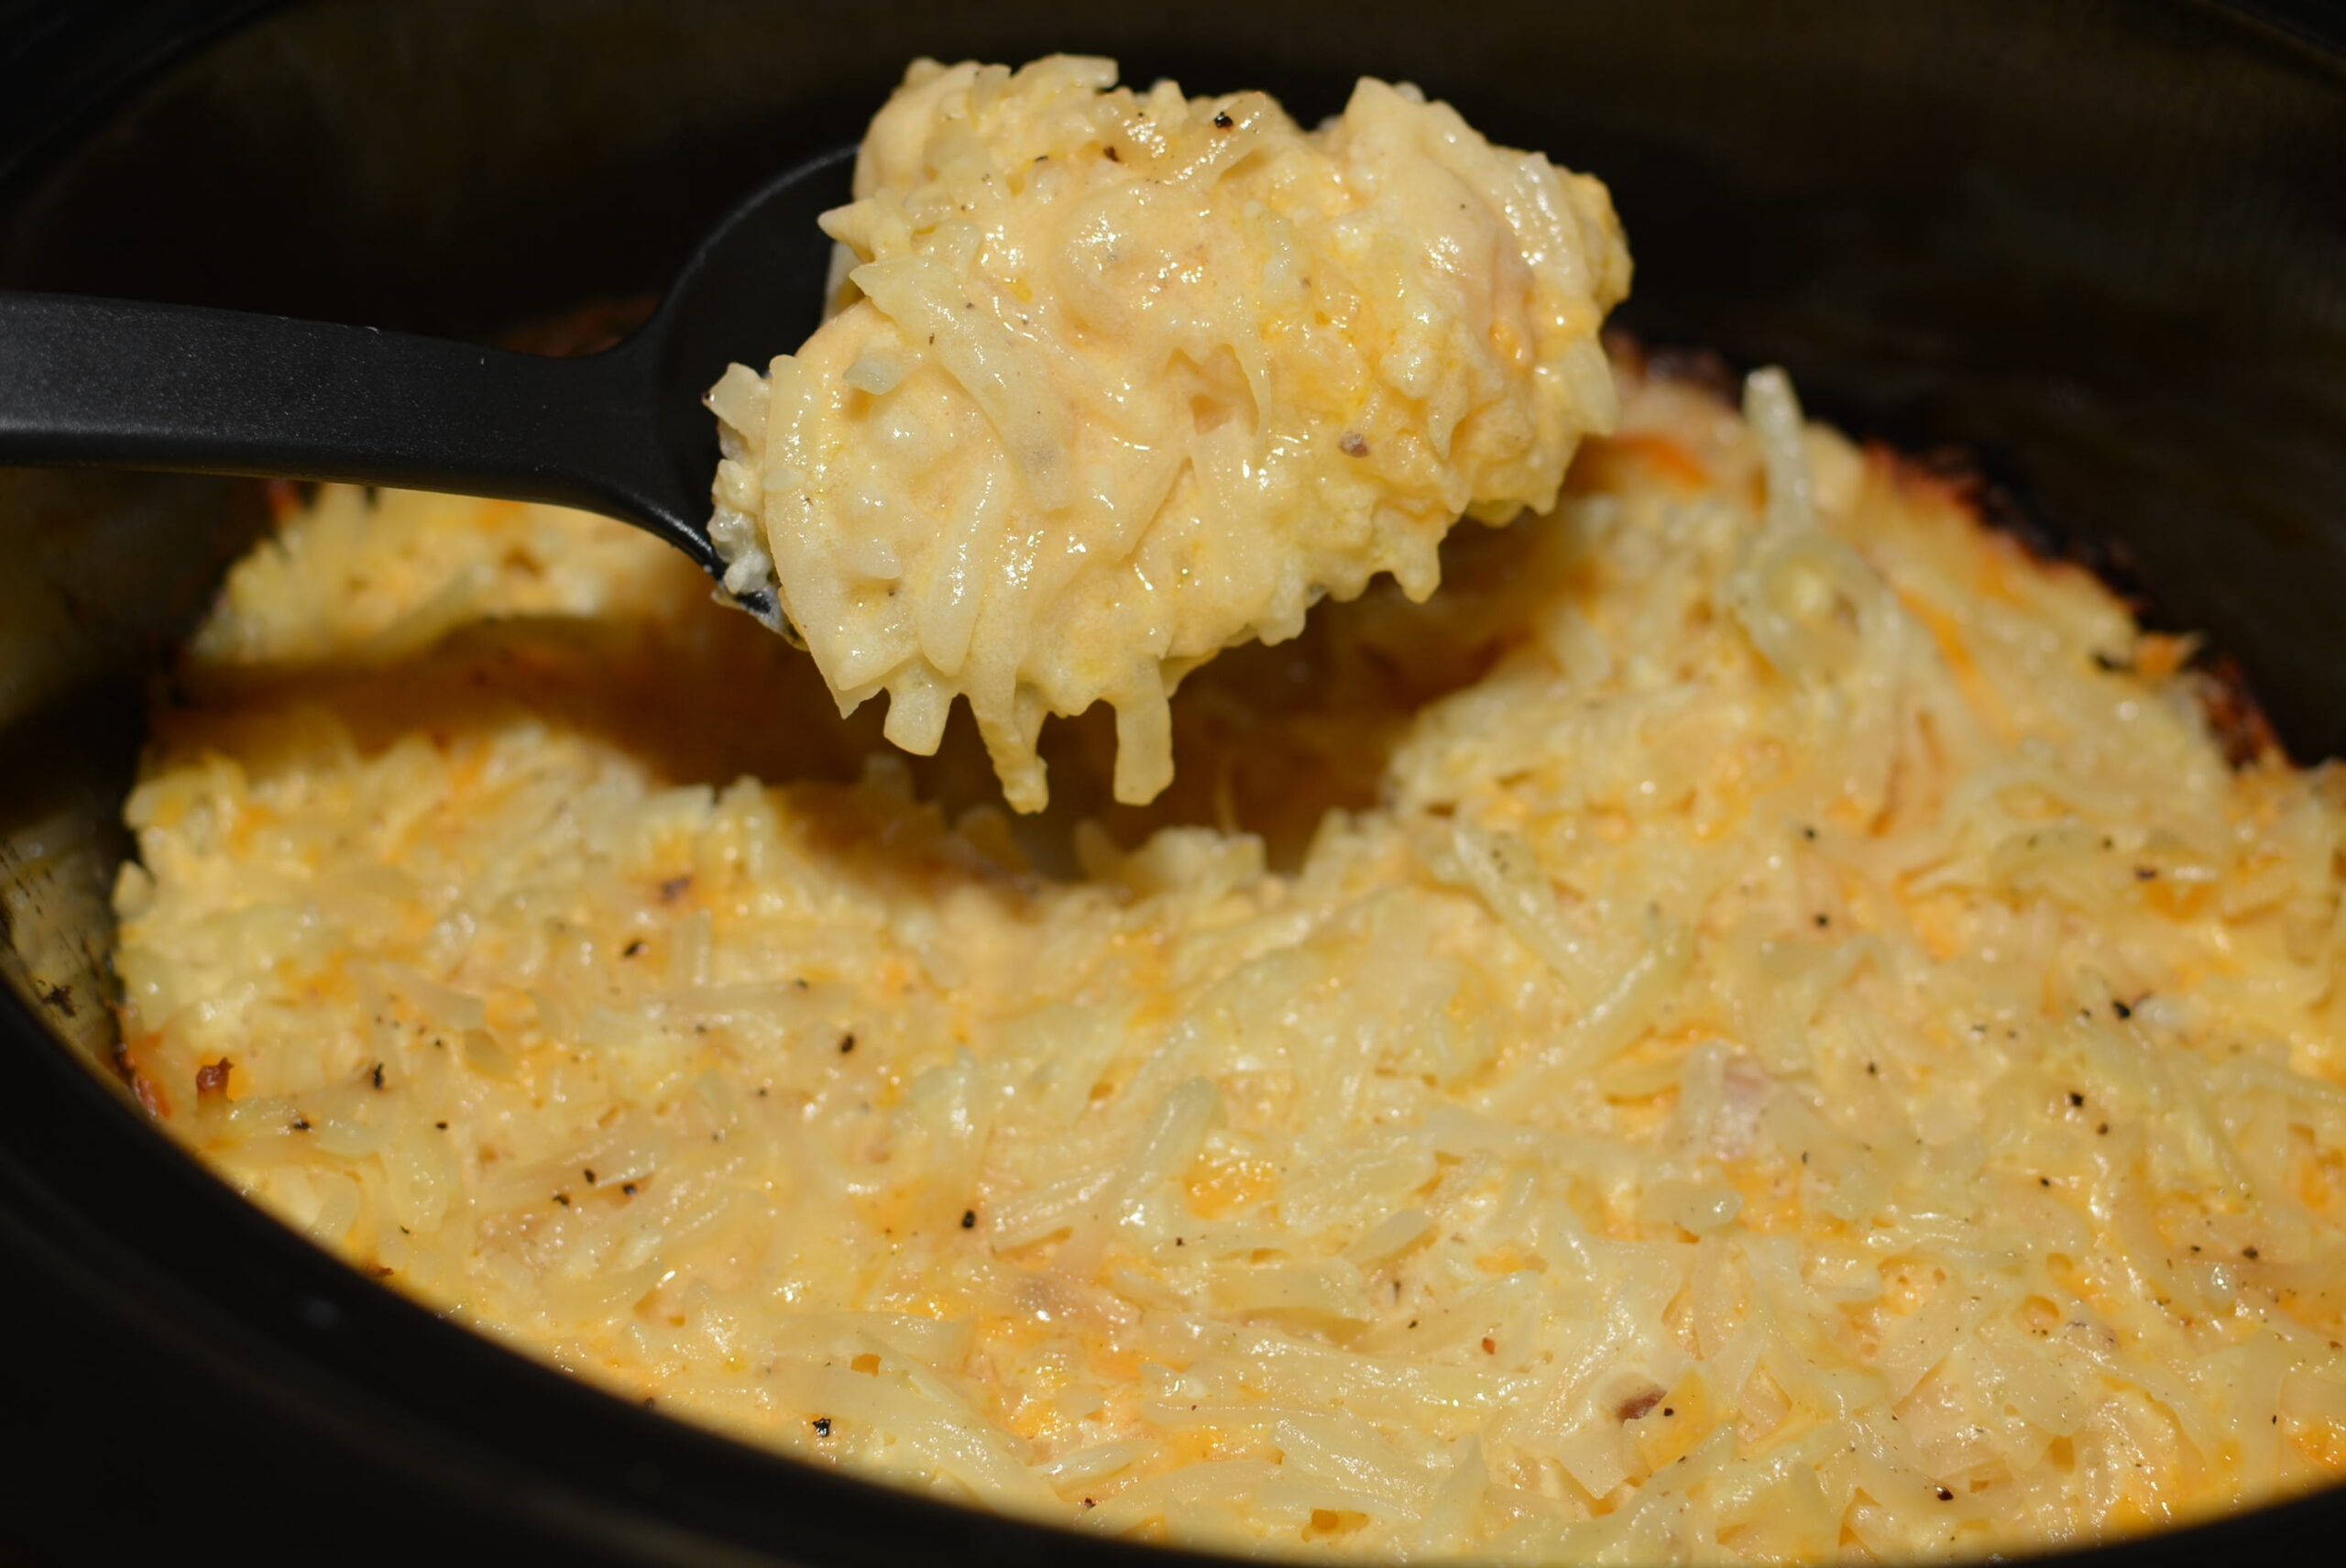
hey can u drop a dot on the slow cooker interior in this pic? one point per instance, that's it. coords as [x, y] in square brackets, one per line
[2099, 247]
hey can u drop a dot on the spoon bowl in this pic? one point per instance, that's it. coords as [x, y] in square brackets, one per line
[108, 383]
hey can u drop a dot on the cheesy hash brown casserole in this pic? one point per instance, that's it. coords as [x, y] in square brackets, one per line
[1120, 379]
[1758, 1024]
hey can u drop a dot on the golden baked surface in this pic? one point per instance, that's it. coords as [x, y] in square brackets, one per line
[1759, 1023]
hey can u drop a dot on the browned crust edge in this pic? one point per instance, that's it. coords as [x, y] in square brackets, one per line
[2235, 718]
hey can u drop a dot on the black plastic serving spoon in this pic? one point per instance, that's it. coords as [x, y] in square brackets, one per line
[115, 384]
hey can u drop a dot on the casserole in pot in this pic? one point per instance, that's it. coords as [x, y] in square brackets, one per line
[1949, 278]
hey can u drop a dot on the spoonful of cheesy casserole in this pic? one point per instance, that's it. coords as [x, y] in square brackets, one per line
[1115, 380]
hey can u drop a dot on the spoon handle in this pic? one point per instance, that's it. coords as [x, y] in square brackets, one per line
[110, 383]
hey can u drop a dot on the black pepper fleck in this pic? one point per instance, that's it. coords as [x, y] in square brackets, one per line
[301, 1124]
[1222, 121]
[377, 1075]
[969, 1219]
[822, 1426]
[2075, 1099]
[628, 1188]
[1946, 1495]
[1353, 443]
[847, 1044]
[633, 949]
[2122, 1009]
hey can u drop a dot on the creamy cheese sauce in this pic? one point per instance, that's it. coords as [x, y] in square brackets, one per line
[1121, 379]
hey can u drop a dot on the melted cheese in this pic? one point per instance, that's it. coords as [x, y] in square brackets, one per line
[1763, 1026]
[1123, 379]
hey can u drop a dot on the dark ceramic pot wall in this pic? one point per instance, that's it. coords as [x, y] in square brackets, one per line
[2100, 246]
